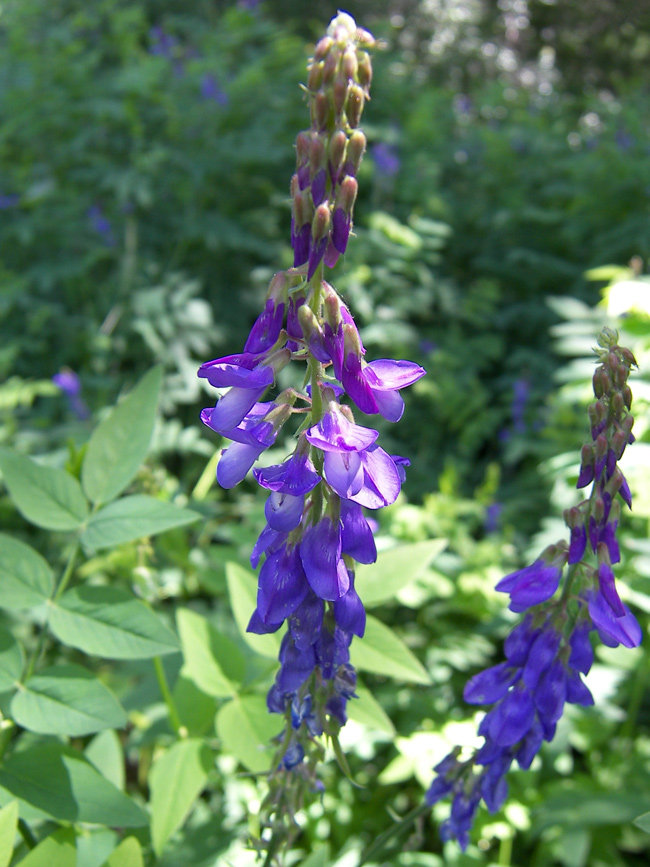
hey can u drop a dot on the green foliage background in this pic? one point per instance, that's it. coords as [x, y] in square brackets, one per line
[143, 209]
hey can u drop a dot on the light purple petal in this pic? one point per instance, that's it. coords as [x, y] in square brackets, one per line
[235, 462]
[386, 374]
[344, 473]
[389, 404]
[283, 512]
[232, 408]
[613, 630]
[334, 433]
[320, 550]
[381, 480]
[357, 539]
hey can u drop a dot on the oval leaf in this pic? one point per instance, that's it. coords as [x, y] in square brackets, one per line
[242, 589]
[210, 660]
[367, 710]
[382, 652]
[58, 782]
[246, 728]
[106, 753]
[394, 569]
[107, 622]
[25, 577]
[66, 700]
[132, 518]
[45, 496]
[176, 780]
[120, 443]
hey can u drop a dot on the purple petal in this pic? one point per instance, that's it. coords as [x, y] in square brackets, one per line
[550, 693]
[381, 479]
[386, 374]
[607, 586]
[582, 654]
[320, 550]
[356, 386]
[334, 433]
[491, 684]
[306, 621]
[519, 641]
[266, 329]
[232, 408]
[341, 223]
[316, 253]
[578, 544]
[282, 586]
[344, 473]
[390, 405]
[235, 462]
[318, 187]
[302, 240]
[576, 691]
[237, 370]
[542, 653]
[613, 630]
[283, 512]
[296, 476]
[357, 539]
[512, 718]
[349, 613]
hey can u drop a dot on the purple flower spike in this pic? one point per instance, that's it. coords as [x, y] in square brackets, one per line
[296, 476]
[320, 550]
[542, 653]
[334, 433]
[301, 244]
[349, 612]
[578, 543]
[519, 641]
[576, 691]
[297, 666]
[306, 621]
[318, 187]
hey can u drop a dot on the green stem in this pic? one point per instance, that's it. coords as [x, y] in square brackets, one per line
[69, 569]
[174, 718]
[63, 583]
[395, 830]
[505, 852]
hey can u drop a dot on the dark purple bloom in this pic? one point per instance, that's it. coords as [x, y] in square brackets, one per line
[282, 585]
[386, 159]
[512, 718]
[578, 543]
[613, 630]
[576, 691]
[542, 653]
[306, 621]
[519, 642]
[211, 90]
[320, 550]
[266, 329]
[608, 589]
[296, 665]
[247, 383]
[491, 684]
[341, 225]
[582, 654]
[8, 201]
[295, 476]
[550, 693]
[530, 586]
[349, 612]
[357, 539]
[283, 512]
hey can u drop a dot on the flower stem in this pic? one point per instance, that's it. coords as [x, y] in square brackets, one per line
[394, 831]
[174, 719]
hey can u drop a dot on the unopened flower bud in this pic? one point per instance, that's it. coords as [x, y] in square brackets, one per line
[355, 151]
[627, 356]
[613, 361]
[354, 105]
[303, 141]
[347, 194]
[321, 110]
[321, 223]
[619, 441]
[294, 189]
[315, 77]
[364, 70]
[277, 290]
[340, 92]
[602, 382]
[365, 38]
[349, 64]
[351, 340]
[622, 374]
[598, 509]
[626, 391]
[330, 66]
[627, 424]
[586, 474]
[302, 210]
[307, 320]
[337, 150]
[323, 47]
[332, 307]
[316, 153]
[618, 404]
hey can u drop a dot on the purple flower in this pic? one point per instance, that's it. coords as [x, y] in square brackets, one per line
[530, 586]
[8, 201]
[70, 384]
[210, 90]
[320, 550]
[386, 159]
[101, 225]
[282, 585]
[247, 382]
[374, 387]
[295, 476]
[613, 630]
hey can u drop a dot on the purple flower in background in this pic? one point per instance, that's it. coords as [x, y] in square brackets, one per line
[70, 384]
[8, 201]
[520, 396]
[386, 159]
[161, 43]
[211, 90]
[101, 224]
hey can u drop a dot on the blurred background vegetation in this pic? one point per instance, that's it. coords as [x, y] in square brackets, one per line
[146, 148]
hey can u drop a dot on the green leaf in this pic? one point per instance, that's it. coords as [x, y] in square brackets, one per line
[246, 727]
[45, 496]
[382, 652]
[195, 708]
[8, 822]
[58, 782]
[66, 700]
[176, 780]
[127, 854]
[132, 518]
[107, 622]
[367, 710]
[242, 589]
[210, 660]
[25, 577]
[57, 850]
[11, 660]
[105, 752]
[643, 822]
[119, 445]
[94, 846]
[394, 569]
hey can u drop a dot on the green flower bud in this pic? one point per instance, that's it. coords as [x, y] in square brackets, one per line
[364, 71]
[320, 225]
[347, 194]
[337, 149]
[356, 150]
[626, 391]
[330, 67]
[321, 109]
[332, 306]
[315, 77]
[354, 105]
[349, 64]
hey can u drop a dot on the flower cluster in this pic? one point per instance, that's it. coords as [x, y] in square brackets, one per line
[549, 651]
[316, 530]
